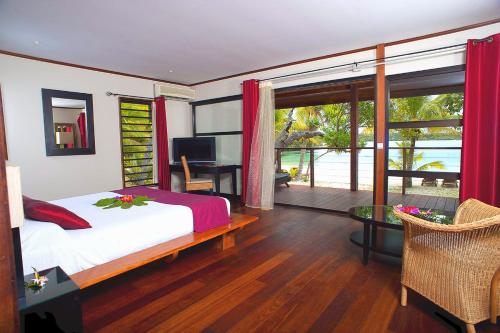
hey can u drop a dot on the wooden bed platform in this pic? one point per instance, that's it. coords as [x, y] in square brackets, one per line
[168, 249]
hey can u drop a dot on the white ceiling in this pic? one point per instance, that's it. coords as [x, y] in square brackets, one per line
[196, 40]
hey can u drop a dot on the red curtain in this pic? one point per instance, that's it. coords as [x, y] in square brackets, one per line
[69, 145]
[82, 126]
[250, 107]
[480, 171]
[162, 144]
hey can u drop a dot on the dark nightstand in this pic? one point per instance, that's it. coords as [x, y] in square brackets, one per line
[55, 308]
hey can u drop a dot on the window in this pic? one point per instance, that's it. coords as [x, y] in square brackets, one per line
[425, 137]
[314, 127]
[136, 128]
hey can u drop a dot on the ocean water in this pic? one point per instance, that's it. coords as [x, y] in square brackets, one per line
[334, 168]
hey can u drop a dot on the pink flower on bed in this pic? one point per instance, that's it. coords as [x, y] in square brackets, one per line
[127, 198]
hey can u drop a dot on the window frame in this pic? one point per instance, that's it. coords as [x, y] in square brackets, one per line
[122, 152]
[417, 124]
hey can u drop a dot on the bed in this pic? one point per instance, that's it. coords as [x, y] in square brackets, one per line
[115, 234]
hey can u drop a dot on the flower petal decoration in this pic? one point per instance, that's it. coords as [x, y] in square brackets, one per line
[123, 201]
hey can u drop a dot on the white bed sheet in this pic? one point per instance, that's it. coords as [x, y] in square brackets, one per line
[115, 233]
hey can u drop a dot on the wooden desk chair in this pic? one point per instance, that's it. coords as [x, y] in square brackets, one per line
[194, 184]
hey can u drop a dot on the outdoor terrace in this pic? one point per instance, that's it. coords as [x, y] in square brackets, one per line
[340, 199]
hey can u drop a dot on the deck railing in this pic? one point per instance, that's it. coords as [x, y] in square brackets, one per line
[401, 154]
[311, 159]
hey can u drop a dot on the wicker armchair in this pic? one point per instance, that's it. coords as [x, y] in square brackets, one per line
[454, 265]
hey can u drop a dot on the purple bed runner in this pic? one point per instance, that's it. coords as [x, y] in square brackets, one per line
[208, 211]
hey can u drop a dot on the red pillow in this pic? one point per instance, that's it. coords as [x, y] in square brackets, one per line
[47, 212]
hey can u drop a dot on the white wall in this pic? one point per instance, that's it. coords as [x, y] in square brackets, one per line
[232, 86]
[55, 177]
[179, 124]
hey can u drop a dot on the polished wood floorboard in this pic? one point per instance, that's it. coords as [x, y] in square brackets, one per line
[293, 271]
[339, 199]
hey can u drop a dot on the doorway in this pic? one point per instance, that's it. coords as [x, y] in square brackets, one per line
[324, 143]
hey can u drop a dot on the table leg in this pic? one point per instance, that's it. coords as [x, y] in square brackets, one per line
[374, 236]
[366, 242]
[217, 183]
[233, 182]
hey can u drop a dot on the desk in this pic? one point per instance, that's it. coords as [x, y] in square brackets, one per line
[212, 169]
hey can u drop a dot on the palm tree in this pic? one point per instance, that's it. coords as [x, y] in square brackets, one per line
[316, 126]
[402, 164]
[329, 126]
[417, 109]
[399, 164]
[298, 127]
[307, 120]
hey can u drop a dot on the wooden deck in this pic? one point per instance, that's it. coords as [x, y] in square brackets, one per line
[342, 199]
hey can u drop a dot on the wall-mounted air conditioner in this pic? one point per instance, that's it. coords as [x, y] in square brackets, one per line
[174, 91]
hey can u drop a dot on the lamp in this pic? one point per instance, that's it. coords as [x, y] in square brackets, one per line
[16, 212]
[15, 195]
[64, 138]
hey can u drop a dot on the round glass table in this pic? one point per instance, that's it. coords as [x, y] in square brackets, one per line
[389, 240]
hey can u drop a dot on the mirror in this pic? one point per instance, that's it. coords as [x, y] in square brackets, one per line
[69, 125]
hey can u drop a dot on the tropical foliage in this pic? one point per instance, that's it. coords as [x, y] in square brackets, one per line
[329, 126]
[419, 108]
[320, 126]
[137, 153]
[397, 164]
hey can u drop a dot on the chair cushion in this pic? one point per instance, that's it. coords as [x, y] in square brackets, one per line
[280, 178]
[200, 180]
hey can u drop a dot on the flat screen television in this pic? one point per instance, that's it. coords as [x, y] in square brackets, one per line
[199, 149]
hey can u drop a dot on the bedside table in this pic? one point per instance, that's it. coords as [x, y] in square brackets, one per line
[54, 308]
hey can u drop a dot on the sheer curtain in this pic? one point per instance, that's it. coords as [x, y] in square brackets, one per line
[260, 189]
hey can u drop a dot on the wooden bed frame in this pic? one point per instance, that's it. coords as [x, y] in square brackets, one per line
[168, 249]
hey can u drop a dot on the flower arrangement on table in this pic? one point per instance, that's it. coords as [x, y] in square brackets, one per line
[428, 214]
[38, 282]
[123, 201]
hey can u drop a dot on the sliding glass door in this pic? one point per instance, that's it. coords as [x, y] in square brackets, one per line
[425, 138]
[324, 144]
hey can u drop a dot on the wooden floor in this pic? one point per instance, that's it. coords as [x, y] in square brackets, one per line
[342, 199]
[294, 271]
